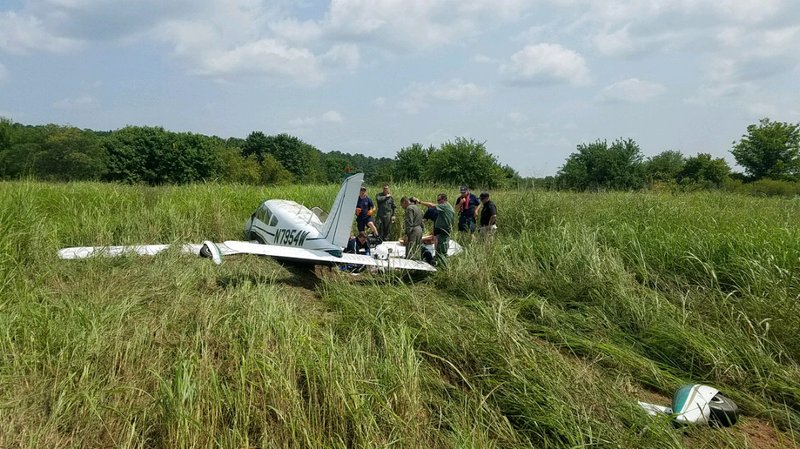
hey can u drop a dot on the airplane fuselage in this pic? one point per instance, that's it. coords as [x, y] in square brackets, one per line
[287, 223]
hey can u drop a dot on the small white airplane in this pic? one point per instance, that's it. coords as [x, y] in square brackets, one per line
[286, 230]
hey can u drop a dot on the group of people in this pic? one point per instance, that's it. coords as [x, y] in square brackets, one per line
[472, 211]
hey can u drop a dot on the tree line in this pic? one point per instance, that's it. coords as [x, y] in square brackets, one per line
[768, 151]
[155, 156]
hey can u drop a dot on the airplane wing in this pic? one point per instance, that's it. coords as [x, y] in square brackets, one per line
[216, 251]
[300, 254]
[83, 252]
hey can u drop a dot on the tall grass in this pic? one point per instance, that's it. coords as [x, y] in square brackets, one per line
[584, 304]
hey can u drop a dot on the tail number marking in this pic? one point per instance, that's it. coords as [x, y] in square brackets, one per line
[290, 237]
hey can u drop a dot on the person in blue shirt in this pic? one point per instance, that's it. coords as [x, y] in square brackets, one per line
[467, 205]
[356, 245]
[365, 208]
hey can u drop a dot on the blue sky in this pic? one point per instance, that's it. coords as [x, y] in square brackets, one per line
[531, 78]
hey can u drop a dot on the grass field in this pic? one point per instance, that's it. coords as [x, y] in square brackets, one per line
[584, 304]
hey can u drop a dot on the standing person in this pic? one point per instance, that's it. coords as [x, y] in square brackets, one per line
[466, 205]
[429, 216]
[412, 223]
[365, 208]
[442, 227]
[488, 213]
[386, 211]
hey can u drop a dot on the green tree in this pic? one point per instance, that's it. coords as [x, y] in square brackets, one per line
[464, 161]
[25, 145]
[704, 169]
[6, 127]
[385, 172]
[272, 172]
[336, 165]
[155, 156]
[600, 166]
[510, 176]
[664, 166]
[69, 154]
[300, 158]
[5, 134]
[410, 162]
[236, 168]
[769, 150]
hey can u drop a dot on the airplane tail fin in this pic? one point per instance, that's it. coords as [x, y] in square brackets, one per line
[340, 220]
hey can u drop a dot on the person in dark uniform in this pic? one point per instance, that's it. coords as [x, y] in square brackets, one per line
[356, 245]
[466, 205]
[386, 211]
[488, 220]
[365, 208]
[412, 222]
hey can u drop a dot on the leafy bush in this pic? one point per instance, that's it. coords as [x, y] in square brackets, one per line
[765, 187]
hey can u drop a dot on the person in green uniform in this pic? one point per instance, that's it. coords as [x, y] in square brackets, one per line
[386, 210]
[442, 227]
[412, 222]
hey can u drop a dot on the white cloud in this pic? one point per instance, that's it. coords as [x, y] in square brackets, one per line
[414, 24]
[546, 64]
[380, 102]
[631, 90]
[264, 58]
[81, 102]
[329, 117]
[419, 96]
[626, 11]
[21, 33]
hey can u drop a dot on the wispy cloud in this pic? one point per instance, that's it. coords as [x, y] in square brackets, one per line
[80, 102]
[419, 96]
[328, 117]
[631, 90]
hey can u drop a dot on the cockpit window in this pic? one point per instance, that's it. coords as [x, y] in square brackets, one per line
[274, 221]
[321, 214]
[264, 214]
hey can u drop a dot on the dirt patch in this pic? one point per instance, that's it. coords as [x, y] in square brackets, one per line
[748, 432]
[760, 434]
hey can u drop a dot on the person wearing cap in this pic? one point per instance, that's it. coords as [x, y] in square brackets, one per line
[442, 227]
[466, 205]
[412, 223]
[386, 211]
[365, 208]
[488, 214]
